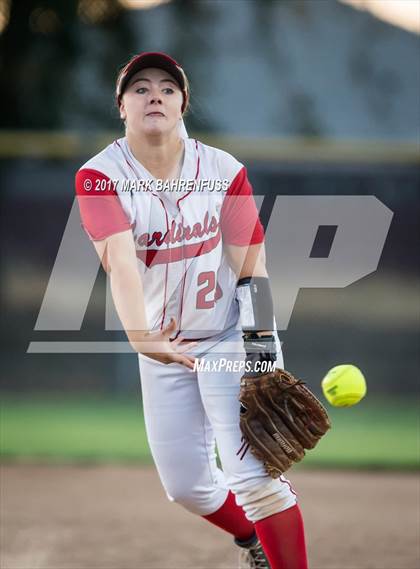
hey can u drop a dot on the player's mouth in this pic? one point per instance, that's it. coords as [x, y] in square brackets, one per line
[155, 114]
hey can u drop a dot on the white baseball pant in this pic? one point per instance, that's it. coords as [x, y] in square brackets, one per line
[186, 414]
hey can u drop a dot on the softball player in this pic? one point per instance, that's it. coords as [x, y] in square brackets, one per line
[176, 227]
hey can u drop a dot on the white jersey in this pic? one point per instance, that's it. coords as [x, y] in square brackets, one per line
[179, 235]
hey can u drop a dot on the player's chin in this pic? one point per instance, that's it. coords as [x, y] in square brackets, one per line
[154, 129]
[157, 125]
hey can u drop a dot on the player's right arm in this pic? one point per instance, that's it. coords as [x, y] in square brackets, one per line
[107, 225]
[118, 256]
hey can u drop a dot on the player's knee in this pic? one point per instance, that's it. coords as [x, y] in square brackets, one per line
[198, 500]
[264, 497]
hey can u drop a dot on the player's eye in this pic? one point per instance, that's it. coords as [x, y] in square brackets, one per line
[141, 90]
[168, 90]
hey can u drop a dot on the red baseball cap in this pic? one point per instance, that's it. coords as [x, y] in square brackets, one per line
[152, 59]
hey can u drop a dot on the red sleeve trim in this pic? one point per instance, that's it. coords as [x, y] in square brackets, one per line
[239, 219]
[101, 211]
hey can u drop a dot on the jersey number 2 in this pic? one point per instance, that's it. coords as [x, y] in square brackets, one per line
[208, 278]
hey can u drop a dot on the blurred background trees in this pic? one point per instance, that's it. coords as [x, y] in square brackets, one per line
[272, 67]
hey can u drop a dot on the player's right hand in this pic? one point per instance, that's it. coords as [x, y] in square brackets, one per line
[158, 346]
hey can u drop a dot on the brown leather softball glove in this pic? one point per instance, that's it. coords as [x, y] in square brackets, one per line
[280, 418]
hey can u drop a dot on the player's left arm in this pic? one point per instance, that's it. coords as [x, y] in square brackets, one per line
[255, 303]
[243, 241]
[248, 261]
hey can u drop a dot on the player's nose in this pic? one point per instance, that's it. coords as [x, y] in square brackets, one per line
[155, 100]
[155, 96]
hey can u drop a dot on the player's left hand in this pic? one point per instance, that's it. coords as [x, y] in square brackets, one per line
[260, 350]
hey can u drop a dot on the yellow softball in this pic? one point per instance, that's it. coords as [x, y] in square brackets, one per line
[344, 385]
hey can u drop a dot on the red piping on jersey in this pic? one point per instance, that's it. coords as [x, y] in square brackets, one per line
[166, 269]
[184, 274]
[182, 301]
[196, 174]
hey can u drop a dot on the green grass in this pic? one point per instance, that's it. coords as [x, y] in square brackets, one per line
[381, 434]
[373, 434]
[92, 429]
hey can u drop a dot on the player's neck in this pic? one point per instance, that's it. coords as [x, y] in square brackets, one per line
[162, 157]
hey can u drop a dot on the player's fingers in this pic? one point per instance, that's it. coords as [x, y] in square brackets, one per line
[185, 360]
[185, 347]
[177, 341]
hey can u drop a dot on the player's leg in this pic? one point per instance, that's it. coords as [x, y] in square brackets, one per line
[282, 536]
[270, 504]
[183, 446]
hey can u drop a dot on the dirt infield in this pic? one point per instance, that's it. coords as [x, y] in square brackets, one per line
[118, 517]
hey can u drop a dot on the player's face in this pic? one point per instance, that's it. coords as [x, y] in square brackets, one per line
[152, 102]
